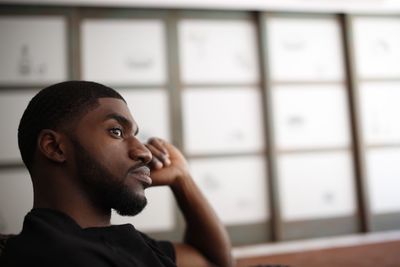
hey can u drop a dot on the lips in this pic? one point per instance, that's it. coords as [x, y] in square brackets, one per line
[141, 174]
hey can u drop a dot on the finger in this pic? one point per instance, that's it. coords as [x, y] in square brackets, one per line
[159, 155]
[155, 164]
[159, 144]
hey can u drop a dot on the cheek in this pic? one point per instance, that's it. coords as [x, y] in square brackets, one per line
[113, 157]
[102, 147]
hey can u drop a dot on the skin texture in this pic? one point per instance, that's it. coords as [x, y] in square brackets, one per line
[91, 160]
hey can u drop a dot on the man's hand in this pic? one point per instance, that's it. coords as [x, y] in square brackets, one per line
[168, 164]
[206, 242]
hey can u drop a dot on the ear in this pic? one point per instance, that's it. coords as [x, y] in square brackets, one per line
[50, 145]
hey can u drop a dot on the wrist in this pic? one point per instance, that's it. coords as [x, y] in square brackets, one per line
[181, 182]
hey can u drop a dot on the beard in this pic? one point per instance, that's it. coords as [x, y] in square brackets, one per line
[105, 190]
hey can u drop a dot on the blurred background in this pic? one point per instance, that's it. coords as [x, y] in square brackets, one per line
[286, 110]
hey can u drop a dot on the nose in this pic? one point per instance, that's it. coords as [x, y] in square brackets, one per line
[139, 152]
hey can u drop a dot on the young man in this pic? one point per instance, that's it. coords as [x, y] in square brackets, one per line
[78, 141]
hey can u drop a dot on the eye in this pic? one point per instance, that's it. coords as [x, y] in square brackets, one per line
[116, 132]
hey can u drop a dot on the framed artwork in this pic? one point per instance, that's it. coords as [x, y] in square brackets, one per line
[235, 187]
[310, 116]
[316, 185]
[150, 110]
[379, 112]
[33, 50]
[377, 47]
[218, 51]
[124, 51]
[209, 127]
[304, 49]
[383, 177]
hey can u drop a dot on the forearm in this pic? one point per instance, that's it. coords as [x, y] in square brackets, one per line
[204, 231]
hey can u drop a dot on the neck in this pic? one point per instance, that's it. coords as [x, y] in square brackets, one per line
[85, 217]
[71, 201]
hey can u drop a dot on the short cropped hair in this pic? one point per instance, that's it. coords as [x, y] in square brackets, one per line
[53, 107]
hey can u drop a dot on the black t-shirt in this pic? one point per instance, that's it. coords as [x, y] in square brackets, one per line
[51, 238]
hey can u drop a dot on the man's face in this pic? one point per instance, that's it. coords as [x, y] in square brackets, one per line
[109, 160]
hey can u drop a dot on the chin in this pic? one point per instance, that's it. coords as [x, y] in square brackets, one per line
[130, 203]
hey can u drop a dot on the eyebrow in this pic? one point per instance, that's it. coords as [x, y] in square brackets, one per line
[122, 120]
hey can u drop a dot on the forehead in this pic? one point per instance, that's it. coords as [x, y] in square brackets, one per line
[106, 107]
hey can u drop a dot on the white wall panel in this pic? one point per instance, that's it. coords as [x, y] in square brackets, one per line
[316, 185]
[150, 110]
[217, 51]
[377, 47]
[33, 49]
[235, 187]
[383, 176]
[222, 120]
[124, 51]
[304, 49]
[379, 112]
[12, 106]
[158, 215]
[310, 116]
[16, 199]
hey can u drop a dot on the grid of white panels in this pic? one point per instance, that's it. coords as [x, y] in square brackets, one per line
[377, 57]
[311, 115]
[222, 114]
[222, 107]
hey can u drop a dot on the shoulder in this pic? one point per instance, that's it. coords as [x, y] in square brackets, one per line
[44, 235]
